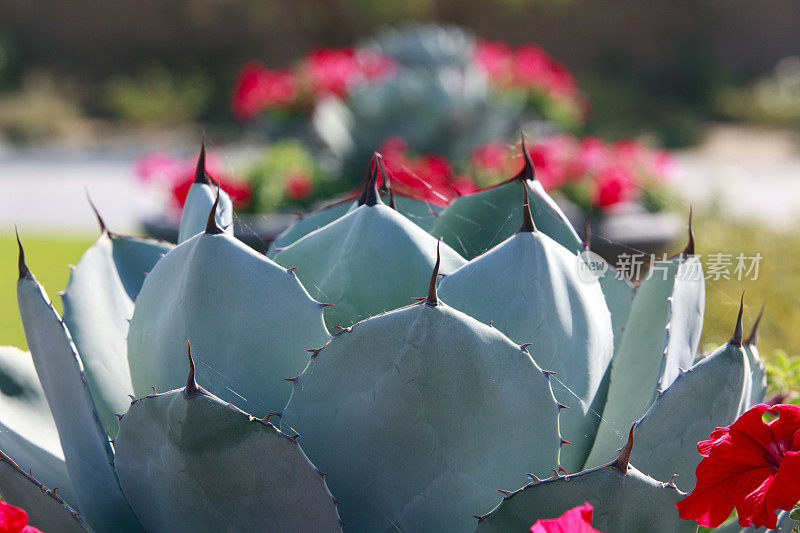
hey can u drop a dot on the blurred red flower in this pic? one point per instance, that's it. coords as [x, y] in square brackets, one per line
[14, 520]
[550, 159]
[529, 67]
[752, 465]
[155, 166]
[589, 170]
[240, 192]
[533, 67]
[429, 177]
[335, 70]
[495, 58]
[258, 88]
[298, 186]
[330, 70]
[492, 157]
[612, 185]
[576, 520]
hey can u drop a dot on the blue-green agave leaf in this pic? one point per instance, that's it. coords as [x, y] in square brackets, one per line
[474, 223]
[531, 289]
[624, 500]
[419, 414]
[370, 260]
[706, 396]
[188, 461]
[27, 431]
[46, 509]
[650, 344]
[249, 320]
[87, 451]
[201, 197]
[98, 306]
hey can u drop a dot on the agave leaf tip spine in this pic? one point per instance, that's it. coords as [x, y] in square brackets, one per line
[386, 184]
[103, 228]
[371, 195]
[212, 228]
[527, 219]
[24, 272]
[528, 172]
[200, 174]
[191, 389]
[736, 340]
[622, 460]
[752, 339]
[689, 250]
[433, 299]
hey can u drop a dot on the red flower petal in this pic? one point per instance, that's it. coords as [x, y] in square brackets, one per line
[14, 520]
[576, 520]
[298, 186]
[752, 465]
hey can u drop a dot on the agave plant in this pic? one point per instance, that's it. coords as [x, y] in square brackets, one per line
[412, 415]
[439, 101]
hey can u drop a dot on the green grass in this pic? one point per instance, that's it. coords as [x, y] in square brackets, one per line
[49, 258]
[777, 286]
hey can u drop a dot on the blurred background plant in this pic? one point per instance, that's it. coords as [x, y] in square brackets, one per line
[773, 100]
[647, 68]
[783, 375]
[158, 97]
[42, 108]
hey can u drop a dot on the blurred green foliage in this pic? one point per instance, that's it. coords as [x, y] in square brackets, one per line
[623, 108]
[40, 108]
[783, 375]
[268, 176]
[157, 96]
[773, 100]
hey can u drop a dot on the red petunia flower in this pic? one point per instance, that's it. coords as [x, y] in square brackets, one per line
[612, 185]
[576, 520]
[491, 157]
[298, 186]
[550, 158]
[258, 88]
[14, 520]
[330, 70]
[239, 192]
[429, 177]
[752, 465]
[496, 59]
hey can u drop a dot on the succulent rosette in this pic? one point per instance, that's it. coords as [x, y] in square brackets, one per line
[245, 401]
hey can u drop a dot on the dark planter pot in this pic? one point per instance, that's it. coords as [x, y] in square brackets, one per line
[630, 230]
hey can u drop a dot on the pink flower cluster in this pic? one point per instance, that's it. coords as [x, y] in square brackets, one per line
[429, 177]
[610, 173]
[326, 71]
[528, 67]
